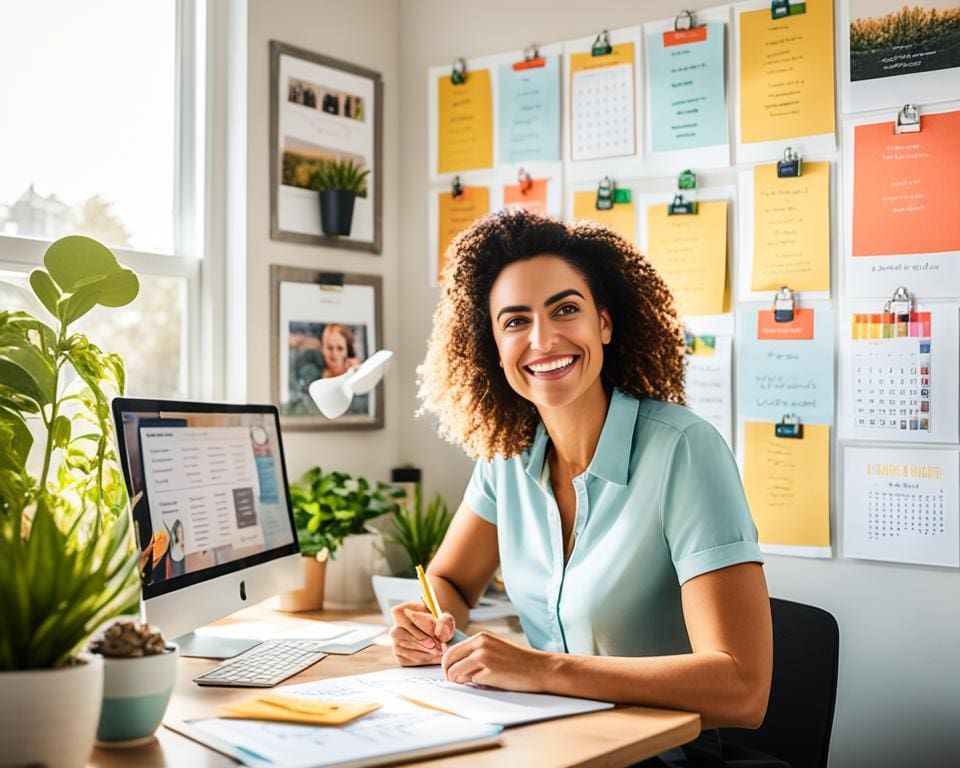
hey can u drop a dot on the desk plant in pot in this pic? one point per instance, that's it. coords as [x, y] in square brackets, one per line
[67, 560]
[339, 182]
[341, 550]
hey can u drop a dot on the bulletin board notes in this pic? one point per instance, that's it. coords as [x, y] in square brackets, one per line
[621, 218]
[786, 79]
[902, 505]
[464, 123]
[787, 482]
[791, 229]
[787, 367]
[532, 196]
[690, 253]
[685, 81]
[904, 200]
[455, 214]
[602, 104]
[529, 110]
[709, 381]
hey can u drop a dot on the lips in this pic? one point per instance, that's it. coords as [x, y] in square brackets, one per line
[553, 367]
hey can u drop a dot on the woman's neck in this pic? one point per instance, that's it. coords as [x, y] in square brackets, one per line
[575, 429]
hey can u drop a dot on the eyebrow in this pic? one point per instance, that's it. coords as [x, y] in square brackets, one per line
[552, 300]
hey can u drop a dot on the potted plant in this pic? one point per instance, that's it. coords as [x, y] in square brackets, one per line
[338, 182]
[420, 531]
[341, 550]
[67, 559]
[139, 672]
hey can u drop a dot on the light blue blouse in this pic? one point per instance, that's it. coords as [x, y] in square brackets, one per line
[660, 503]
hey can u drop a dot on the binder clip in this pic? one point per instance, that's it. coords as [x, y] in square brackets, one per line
[781, 8]
[908, 120]
[330, 281]
[900, 304]
[601, 46]
[458, 75]
[789, 426]
[791, 165]
[457, 188]
[784, 306]
[605, 191]
[531, 59]
[683, 22]
[525, 181]
[681, 206]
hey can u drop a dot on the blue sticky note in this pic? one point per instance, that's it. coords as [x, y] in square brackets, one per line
[776, 378]
[529, 108]
[685, 78]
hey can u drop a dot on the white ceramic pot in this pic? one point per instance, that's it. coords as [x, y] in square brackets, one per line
[49, 716]
[136, 692]
[347, 580]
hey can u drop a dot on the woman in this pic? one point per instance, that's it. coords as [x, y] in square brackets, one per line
[617, 515]
[339, 350]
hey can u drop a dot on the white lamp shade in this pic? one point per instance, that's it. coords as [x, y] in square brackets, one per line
[334, 395]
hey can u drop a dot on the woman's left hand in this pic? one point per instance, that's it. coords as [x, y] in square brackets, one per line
[486, 659]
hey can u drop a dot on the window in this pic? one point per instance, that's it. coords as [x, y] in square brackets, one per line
[104, 144]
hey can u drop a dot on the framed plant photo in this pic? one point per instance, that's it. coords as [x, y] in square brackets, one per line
[326, 139]
[322, 325]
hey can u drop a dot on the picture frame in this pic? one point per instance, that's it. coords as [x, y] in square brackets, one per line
[322, 108]
[321, 324]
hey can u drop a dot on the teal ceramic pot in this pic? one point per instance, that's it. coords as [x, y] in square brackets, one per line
[135, 696]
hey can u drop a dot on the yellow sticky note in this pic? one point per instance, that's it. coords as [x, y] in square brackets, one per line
[294, 709]
[690, 253]
[787, 482]
[455, 214]
[622, 218]
[464, 123]
[786, 74]
[791, 229]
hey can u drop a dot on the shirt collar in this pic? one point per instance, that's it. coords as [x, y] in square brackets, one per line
[611, 461]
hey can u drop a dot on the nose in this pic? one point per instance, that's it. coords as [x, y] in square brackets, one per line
[542, 335]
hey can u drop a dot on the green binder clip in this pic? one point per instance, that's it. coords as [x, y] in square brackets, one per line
[601, 46]
[605, 194]
[791, 165]
[782, 8]
[458, 75]
[681, 206]
[789, 426]
[687, 180]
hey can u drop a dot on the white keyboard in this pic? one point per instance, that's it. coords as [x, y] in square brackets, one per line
[265, 665]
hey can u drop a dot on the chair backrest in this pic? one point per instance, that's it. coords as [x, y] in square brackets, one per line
[806, 648]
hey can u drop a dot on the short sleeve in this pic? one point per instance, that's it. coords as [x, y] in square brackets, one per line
[704, 512]
[481, 495]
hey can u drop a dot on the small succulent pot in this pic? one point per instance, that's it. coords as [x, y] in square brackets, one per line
[336, 211]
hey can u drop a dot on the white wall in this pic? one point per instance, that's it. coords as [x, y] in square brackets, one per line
[899, 693]
[363, 32]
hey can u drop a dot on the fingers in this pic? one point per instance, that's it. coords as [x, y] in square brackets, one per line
[423, 621]
[445, 628]
[402, 618]
[464, 670]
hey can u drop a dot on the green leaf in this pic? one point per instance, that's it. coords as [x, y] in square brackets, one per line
[61, 431]
[74, 259]
[29, 372]
[45, 290]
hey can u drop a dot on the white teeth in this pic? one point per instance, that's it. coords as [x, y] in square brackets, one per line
[561, 362]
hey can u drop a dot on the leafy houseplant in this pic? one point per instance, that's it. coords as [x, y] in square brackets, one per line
[420, 531]
[339, 183]
[67, 561]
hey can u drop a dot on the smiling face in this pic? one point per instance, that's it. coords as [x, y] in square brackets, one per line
[334, 351]
[549, 331]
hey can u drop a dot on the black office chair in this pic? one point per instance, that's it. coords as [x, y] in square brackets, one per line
[796, 729]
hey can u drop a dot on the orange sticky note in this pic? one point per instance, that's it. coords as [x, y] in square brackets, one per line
[464, 123]
[798, 329]
[456, 214]
[622, 218]
[533, 199]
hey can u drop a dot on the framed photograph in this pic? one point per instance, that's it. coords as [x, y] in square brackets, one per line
[322, 325]
[322, 109]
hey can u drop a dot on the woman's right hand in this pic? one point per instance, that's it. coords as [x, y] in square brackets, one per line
[418, 638]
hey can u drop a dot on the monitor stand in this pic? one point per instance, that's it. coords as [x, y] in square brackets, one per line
[213, 647]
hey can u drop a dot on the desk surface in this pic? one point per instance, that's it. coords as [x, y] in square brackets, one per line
[616, 737]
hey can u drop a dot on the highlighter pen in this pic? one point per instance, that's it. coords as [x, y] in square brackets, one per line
[433, 605]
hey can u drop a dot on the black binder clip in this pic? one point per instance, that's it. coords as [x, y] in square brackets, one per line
[791, 165]
[784, 306]
[683, 22]
[908, 120]
[525, 181]
[457, 188]
[781, 8]
[330, 281]
[605, 192]
[458, 75]
[789, 426]
[601, 46]
[900, 304]
[681, 206]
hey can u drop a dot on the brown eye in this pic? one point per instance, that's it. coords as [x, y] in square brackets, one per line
[567, 309]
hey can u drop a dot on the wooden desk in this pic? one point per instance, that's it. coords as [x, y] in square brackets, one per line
[617, 737]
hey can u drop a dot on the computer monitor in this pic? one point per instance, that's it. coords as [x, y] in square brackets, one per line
[212, 513]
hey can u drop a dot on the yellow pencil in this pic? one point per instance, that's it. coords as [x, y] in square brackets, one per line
[433, 604]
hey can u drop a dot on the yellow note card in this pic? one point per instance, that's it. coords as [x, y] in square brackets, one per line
[786, 74]
[622, 53]
[791, 229]
[456, 214]
[294, 709]
[787, 481]
[690, 253]
[464, 123]
[622, 218]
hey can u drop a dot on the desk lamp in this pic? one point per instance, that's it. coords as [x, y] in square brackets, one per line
[333, 395]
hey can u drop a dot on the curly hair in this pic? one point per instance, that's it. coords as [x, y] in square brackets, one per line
[460, 380]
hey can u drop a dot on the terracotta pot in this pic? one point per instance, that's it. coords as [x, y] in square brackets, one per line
[310, 598]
